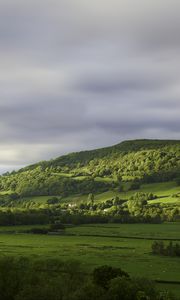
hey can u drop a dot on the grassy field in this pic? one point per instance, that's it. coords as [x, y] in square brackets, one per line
[151, 231]
[125, 245]
[115, 245]
[5, 192]
[19, 228]
[164, 192]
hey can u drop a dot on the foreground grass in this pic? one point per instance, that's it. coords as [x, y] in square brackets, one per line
[131, 254]
[152, 231]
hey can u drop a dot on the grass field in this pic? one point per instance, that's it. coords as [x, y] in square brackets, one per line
[109, 247]
[164, 192]
[125, 245]
[5, 192]
[151, 231]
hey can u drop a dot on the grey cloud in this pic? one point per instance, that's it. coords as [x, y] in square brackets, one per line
[118, 83]
[42, 121]
[79, 75]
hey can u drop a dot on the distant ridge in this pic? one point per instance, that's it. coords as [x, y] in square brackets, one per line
[138, 161]
[87, 155]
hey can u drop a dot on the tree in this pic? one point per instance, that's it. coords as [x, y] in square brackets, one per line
[53, 200]
[91, 198]
[178, 181]
[103, 275]
[116, 200]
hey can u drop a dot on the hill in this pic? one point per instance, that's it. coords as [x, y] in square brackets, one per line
[134, 181]
[84, 157]
[138, 161]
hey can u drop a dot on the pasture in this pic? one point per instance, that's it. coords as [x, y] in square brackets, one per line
[127, 246]
[164, 192]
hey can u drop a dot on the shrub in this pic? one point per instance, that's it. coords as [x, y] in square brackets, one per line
[103, 275]
[37, 230]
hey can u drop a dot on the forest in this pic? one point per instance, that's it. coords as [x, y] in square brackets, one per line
[98, 170]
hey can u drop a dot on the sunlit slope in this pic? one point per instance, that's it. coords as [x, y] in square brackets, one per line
[164, 191]
[98, 171]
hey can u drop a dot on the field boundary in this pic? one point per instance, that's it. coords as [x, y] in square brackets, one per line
[123, 237]
[167, 281]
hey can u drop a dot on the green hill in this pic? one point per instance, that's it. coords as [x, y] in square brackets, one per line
[137, 162]
[84, 157]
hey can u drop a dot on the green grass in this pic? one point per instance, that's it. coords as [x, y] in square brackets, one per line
[80, 177]
[131, 254]
[83, 177]
[63, 174]
[155, 231]
[162, 188]
[38, 199]
[166, 200]
[5, 192]
[104, 179]
[19, 228]
[164, 191]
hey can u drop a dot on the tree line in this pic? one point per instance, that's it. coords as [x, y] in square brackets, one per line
[153, 162]
[171, 249]
[51, 279]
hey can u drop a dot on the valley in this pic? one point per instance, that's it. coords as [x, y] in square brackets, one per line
[100, 207]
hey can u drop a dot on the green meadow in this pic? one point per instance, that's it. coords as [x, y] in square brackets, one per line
[164, 192]
[127, 246]
[124, 245]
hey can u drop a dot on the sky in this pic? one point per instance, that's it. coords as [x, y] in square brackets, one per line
[80, 74]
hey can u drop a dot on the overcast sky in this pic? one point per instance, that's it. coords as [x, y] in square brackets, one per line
[80, 74]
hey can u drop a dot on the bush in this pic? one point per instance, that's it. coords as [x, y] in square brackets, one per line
[57, 226]
[171, 249]
[134, 186]
[52, 279]
[53, 200]
[103, 275]
[178, 181]
[37, 230]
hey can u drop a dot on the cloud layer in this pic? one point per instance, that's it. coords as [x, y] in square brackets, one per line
[84, 74]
